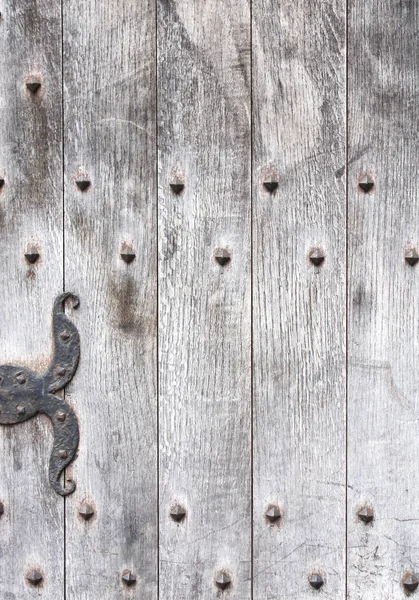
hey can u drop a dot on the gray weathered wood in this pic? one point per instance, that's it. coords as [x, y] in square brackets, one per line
[109, 115]
[204, 308]
[299, 309]
[383, 401]
[32, 528]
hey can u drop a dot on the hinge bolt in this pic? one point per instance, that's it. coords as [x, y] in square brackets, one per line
[61, 416]
[63, 454]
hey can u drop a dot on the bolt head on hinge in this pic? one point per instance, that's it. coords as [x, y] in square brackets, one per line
[271, 184]
[366, 184]
[86, 511]
[34, 577]
[83, 183]
[177, 186]
[33, 84]
[178, 513]
[410, 582]
[32, 255]
[273, 514]
[366, 514]
[411, 257]
[129, 578]
[316, 256]
[223, 581]
[316, 581]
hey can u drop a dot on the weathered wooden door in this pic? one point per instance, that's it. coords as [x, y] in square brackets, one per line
[230, 188]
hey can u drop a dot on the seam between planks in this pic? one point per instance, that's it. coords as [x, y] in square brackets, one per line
[251, 312]
[346, 283]
[156, 7]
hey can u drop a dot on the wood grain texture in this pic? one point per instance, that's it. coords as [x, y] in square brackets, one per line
[109, 76]
[204, 308]
[383, 402]
[299, 309]
[32, 528]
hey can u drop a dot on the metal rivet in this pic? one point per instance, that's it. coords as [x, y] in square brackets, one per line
[61, 416]
[273, 514]
[411, 257]
[1, 509]
[60, 371]
[127, 254]
[34, 577]
[177, 186]
[20, 378]
[33, 84]
[63, 453]
[83, 184]
[223, 580]
[32, 255]
[86, 511]
[410, 582]
[178, 513]
[270, 184]
[316, 581]
[222, 257]
[366, 514]
[20, 409]
[65, 336]
[128, 577]
[316, 256]
[366, 184]
[1, 182]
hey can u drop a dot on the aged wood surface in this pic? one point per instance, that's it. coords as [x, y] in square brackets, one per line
[204, 308]
[109, 117]
[32, 527]
[299, 309]
[383, 399]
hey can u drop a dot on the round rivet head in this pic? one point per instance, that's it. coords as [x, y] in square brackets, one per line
[366, 184]
[63, 454]
[273, 514]
[222, 257]
[20, 378]
[65, 336]
[270, 184]
[366, 514]
[223, 580]
[177, 186]
[178, 513]
[20, 409]
[127, 254]
[410, 582]
[128, 577]
[61, 416]
[60, 371]
[83, 183]
[34, 577]
[86, 511]
[316, 256]
[411, 257]
[33, 84]
[32, 255]
[316, 581]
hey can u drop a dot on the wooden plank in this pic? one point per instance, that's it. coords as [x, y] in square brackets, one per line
[383, 401]
[32, 527]
[109, 75]
[204, 308]
[299, 308]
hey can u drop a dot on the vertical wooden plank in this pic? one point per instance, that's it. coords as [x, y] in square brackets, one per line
[204, 308]
[299, 308]
[31, 528]
[109, 75]
[383, 401]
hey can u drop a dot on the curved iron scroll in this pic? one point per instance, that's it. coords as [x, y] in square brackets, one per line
[23, 394]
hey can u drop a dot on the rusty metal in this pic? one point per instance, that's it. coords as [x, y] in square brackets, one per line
[33, 83]
[24, 394]
[177, 186]
[410, 582]
[127, 253]
[34, 577]
[273, 514]
[411, 257]
[316, 581]
[86, 511]
[83, 183]
[128, 577]
[366, 184]
[223, 580]
[32, 254]
[316, 256]
[178, 513]
[222, 256]
[271, 184]
[366, 514]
